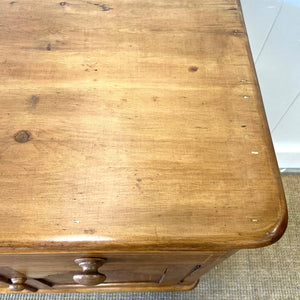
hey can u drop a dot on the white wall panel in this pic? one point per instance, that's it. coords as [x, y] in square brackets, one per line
[274, 31]
[259, 17]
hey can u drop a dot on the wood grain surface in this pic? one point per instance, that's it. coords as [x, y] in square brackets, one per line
[146, 271]
[132, 125]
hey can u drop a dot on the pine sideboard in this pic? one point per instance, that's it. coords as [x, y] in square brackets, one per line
[135, 153]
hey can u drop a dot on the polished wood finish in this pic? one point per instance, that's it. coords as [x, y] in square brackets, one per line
[90, 274]
[130, 127]
[122, 287]
[17, 284]
[148, 270]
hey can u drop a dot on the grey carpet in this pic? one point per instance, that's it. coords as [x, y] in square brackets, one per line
[268, 273]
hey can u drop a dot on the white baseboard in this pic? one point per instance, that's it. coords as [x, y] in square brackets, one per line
[290, 160]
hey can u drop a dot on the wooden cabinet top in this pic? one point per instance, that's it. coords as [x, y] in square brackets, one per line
[133, 125]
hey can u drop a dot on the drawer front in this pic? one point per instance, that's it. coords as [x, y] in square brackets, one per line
[58, 272]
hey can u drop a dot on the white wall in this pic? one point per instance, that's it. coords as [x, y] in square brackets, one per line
[274, 32]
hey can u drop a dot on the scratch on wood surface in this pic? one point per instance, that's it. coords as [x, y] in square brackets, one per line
[190, 273]
[102, 6]
[162, 277]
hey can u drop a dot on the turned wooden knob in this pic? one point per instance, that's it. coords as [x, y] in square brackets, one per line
[90, 274]
[17, 284]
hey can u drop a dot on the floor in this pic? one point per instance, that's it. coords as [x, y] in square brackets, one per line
[274, 32]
